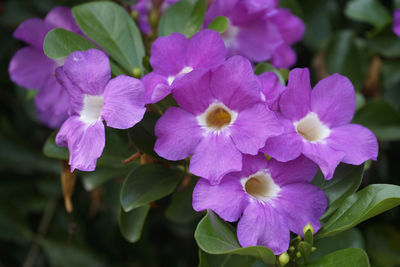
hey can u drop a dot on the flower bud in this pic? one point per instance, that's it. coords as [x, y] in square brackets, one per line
[308, 227]
[136, 72]
[284, 259]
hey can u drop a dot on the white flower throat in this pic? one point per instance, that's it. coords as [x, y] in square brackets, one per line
[217, 117]
[260, 186]
[91, 110]
[311, 128]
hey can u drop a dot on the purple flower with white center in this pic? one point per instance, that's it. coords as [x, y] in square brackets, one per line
[221, 117]
[259, 30]
[174, 56]
[317, 124]
[94, 98]
[396, 22]
[271, 90]
[32, 69]
[269, 198]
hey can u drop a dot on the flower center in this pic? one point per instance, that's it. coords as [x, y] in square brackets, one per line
[185, 70]
[311, 128]
[91, 110]
[260, 186]
[217, 117]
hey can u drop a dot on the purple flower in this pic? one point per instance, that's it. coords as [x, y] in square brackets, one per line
[270, 198]
[271, 90]
[259, 30]
[94, 97]
[32, 69]
[317, 124]
[396, 22]
[173, 56]
[221, 117]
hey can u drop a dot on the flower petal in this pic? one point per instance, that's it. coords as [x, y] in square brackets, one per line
[396, 22]
[33, 31]
[74, 93]
[215, 156]
[290, 27]
[252, 164]
[30, 68]
[227, 199]
[295, 101]
[235, 84]
[284, 57]
[85, 142]
[89, 70]
[263, 226]
[253, 127]
[356, 141]
[178, 134]
[156, 87]
[205, 49]
[334, 100]
[123, 102]
[271, 89]
[61, 17]
[168, 54]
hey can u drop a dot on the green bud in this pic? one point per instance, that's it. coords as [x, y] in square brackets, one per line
[153, 18]
[308, 227]
[298, 255]
[284, 259]
[291, 248]
[134, 14]
[313, 249]
[136, 72]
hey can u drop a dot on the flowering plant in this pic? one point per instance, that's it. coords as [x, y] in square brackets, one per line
[207, 102]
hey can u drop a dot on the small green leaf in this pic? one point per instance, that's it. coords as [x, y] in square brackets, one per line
[148, 183]
[349, 257]
[214, 236]
[224, 260]
[185, 17]
[219, 24]
[111, 27]
[131, 223]
[265, 67]
[371, 11]
[369, 202]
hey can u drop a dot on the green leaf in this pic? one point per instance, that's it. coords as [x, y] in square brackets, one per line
[345, 56]
[371, 11]
[214, 236]
[381, 118]
[383, 244]
[111, 27]
[219, 24]
[386, 42]
[131, 223]
[185, 17]
[265, 67]
[348, 257]
[142, 133]
[346, 180]
[369, 202]
[59, 43]
[91, 180]
[51, 150]
[148, 183]
[224, 260]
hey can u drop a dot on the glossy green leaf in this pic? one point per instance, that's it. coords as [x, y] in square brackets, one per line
[219, 24]
[101, 175]
[368, 202]
[51, 150]
[111, 27]
[131, 223]
[185, 17]
[148, 183]
[349, 257]
[214, 236]
[142, 134]
[224, 260]
[346, 180]
[386, 42]
[371, 11]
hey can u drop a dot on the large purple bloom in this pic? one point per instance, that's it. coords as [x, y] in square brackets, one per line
[173, 56]
[32, 69]
[396, 22]
[259, 30]
[221, 117]
[317, 124]
[94, 97]
[271, 198]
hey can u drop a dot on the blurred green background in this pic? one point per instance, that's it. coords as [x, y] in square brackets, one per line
[353, 38]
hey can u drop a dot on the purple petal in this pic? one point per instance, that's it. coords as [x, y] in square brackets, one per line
[227, 199]
[356, 141]
[396, 22]
[215, 156]
[299, 170]
[30, 68]
[300, 204]
[123, 102]
[178, 134]
[219, 8]
[61, 17]
[85, 142]
[286, 146]
[271, 89]
[33, 31]
[290, 27]
[284, 57]
[235, 84]
[252, 164]
[205, 49]
[168, 54]
[74, 93]
[323, 155]
[334, 100]
[243, 133]
[192, 91]
[295, 101]
[88, 70]
[263, 226]
[156, 87]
